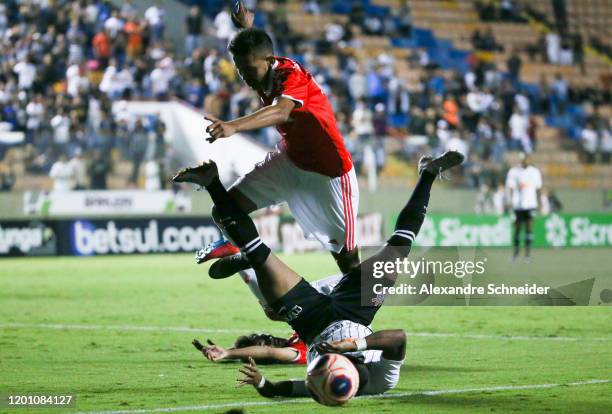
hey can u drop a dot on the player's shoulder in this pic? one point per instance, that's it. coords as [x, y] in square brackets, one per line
[288, 66]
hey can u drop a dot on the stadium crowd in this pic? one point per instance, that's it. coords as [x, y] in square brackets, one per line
[62, 67]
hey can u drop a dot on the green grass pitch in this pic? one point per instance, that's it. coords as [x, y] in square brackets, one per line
[75, 325]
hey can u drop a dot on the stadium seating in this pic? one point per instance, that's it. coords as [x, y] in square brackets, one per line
[442, 29]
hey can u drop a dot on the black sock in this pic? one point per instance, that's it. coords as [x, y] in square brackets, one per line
[238, 224]
[413, 214]
[517, 243]
[528, 239]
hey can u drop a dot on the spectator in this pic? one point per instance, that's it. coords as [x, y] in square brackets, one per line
[559, 93]
[519, 131]
[26, 72]
[358, 85]
[161, 77]
[484, 202]
[553, 47]
[362, 122]
[514, 65]
[399, 97]
[61, 130]
[152, 172]
[76, 79]
[134, 32]
[499, 200]
[404, 28]
[98, 170]
[63, 174]
[566, 53]
[102, 47]
[312, 7]
[193, 24]
[35, 112]
[224, 26]
[155, 16]
[7, 177]
[138, 144]
[334, 32]
[578, 51]
[113, 25]
[80, 171]
[589, 141]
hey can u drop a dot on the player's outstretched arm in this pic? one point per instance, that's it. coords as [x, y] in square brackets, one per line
[268, 389]
[265, 354]
[270, 115]
[391, 341]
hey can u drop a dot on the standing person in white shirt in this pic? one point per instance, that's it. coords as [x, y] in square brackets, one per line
[79, 170]
[519, 130]
[26, 72]
[63, 174]
[155, 16]
[523, 186]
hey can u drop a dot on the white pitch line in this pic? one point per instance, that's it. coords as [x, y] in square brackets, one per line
[382, 396]
[510, 337]
[242, 331]
[124, 328]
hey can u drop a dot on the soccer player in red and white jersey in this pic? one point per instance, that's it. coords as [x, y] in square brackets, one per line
[311, 170]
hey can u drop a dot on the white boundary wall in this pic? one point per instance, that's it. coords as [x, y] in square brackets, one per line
[186, 132]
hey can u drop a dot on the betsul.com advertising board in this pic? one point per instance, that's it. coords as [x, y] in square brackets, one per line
[89, 237]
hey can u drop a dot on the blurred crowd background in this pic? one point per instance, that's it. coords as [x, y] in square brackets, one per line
[489, 78]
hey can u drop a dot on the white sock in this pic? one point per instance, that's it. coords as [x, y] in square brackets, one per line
[250, 278]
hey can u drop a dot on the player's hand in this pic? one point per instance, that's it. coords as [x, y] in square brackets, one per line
[214, 353]
[241, 16]
[218, 129]
[337, 347]
[251, 374]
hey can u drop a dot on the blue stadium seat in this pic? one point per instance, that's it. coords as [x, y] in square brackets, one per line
[398, 120]
[423, 37]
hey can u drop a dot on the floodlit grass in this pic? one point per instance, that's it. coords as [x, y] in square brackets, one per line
[71, 325]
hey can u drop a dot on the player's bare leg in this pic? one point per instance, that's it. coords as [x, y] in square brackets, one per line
[275, 278]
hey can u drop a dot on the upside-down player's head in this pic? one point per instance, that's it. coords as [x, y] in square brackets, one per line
[253, 52]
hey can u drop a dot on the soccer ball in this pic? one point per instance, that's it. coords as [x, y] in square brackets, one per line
[332, 379]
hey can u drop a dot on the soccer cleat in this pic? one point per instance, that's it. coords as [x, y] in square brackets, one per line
[423, 161]
[201, 175]
[216, 250]
[228, 266]
[442, 163]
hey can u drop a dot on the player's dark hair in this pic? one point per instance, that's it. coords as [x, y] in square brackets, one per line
[251, 41]
[260, 340]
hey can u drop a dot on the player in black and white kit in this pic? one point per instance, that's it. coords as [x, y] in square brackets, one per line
[523, 185]
[327, 323]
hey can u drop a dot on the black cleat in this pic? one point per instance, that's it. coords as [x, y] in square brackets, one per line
[442, 163]
[228, 266]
